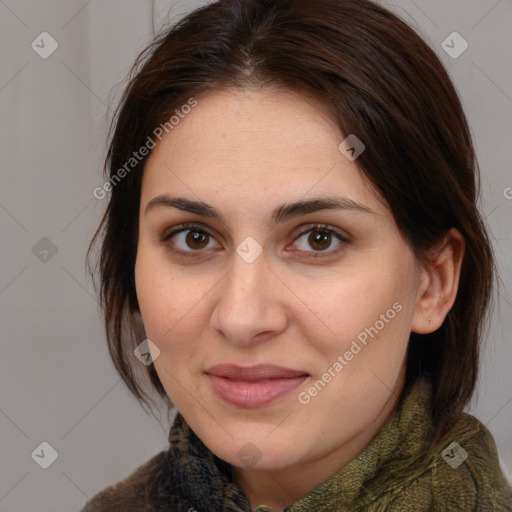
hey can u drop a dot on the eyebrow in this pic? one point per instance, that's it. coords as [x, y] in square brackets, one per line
[280, 214]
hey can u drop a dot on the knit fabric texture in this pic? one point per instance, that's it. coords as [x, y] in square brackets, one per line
[399, 471]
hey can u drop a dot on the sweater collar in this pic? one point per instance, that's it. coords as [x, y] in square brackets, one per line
[203, 478]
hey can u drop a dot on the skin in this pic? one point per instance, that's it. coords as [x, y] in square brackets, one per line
[245, 152]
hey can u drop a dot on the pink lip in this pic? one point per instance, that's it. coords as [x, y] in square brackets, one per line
[253, 386]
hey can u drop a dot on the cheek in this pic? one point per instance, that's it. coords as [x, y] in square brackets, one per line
[366, 320]
[347, 307]
[172, 304]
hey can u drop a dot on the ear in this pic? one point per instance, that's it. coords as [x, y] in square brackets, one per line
[439, 283]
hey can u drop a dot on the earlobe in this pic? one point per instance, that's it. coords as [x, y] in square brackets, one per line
[438, 289]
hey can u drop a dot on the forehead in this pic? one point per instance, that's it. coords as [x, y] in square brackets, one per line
[254, 146]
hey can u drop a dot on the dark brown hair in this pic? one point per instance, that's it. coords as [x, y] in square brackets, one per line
[381, 82]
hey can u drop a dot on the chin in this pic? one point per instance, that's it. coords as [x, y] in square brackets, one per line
[258, 454]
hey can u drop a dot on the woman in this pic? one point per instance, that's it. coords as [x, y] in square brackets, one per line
[292, 250]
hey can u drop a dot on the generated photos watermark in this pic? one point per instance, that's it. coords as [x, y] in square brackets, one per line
[454, 455]
[343, 360]
[138, 156]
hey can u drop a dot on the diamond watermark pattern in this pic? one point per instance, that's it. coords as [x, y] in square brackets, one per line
[44, 250]
[147, 352]
[249, 454]
[454, 45]
[249, 249]
[351, 147]
[44, 45]
[45, 455]
[454, 455]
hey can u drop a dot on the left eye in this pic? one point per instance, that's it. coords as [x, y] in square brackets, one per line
[320, 238]
[190, 238]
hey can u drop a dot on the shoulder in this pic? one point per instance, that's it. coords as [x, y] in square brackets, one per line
[150, 488]
[466, 473]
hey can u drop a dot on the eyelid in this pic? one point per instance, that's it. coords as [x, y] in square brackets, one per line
[186, 226]
[323, 227]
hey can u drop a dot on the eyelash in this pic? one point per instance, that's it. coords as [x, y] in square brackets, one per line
[196, 228]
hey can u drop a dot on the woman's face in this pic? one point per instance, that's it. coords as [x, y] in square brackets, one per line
[257, 284]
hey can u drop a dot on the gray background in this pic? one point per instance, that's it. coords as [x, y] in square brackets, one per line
[58, 384]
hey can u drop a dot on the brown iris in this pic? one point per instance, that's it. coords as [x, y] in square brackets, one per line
[197, 237]
[319, 238]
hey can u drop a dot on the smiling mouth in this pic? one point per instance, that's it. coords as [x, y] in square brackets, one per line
[254, 393]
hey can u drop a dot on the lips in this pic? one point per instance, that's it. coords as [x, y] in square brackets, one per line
[253, 386]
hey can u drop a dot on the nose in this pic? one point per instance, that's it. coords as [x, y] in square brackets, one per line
[249, 306]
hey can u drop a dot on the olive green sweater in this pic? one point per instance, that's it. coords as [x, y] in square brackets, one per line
[393, 473]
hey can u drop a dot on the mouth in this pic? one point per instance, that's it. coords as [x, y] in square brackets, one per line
[253, 386]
